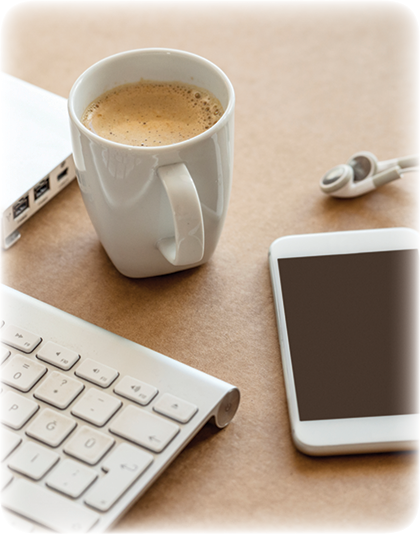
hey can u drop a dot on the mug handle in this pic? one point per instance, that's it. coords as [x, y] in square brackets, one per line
[187, 246]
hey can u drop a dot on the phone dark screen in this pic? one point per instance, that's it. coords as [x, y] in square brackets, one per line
[352, 324]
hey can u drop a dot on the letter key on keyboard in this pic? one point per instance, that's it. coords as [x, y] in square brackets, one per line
[16, 410]
[33, 460]
[51, 427]
[89, 445]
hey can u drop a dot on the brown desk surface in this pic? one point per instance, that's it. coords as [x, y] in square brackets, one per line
[313, 85]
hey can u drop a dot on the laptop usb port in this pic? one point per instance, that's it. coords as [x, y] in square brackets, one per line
[20, 206]
[62, 174]
[41, 188]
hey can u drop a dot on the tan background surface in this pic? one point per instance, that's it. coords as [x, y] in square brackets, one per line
[314, 84]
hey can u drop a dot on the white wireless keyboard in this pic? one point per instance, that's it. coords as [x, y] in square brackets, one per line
[89, 419]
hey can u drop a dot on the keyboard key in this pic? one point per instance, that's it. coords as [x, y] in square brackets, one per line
[51, 427]
[33, 460]
[16, 410]
[89, 445]
[96, 372]
[57, 355]
[71, 478]
[6, 476]
[59, 390]
[123, 467]
[4, 354]
[22, 372]
[143, 428]
[96, 407]
[17, 523]
[135, 390]
[19, 339]
[175, 408]
[48, 508]
[8, 441]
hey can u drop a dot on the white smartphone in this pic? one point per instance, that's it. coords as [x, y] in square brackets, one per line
[347, 315]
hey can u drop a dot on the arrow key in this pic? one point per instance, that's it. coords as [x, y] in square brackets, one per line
[123, 467]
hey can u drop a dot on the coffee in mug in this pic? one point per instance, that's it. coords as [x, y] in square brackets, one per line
[152, 113]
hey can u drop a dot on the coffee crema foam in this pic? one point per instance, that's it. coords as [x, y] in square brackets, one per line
[150, 113]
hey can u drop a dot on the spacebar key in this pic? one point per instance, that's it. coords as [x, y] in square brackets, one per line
[47, 508]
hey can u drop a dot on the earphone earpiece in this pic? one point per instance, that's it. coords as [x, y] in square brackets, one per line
[364, 165]
[363, 173]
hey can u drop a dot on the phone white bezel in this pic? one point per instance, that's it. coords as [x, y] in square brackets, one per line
[340, 436]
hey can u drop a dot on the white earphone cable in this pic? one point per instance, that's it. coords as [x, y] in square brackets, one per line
[409, 169]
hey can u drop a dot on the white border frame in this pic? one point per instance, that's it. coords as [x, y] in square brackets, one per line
[340, 436]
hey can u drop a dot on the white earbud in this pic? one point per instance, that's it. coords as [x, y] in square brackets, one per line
[363, 173]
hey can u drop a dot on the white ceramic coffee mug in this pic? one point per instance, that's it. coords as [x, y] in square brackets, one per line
[156, 210]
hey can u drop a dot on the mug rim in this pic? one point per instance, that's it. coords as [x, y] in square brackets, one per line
[144, 51]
